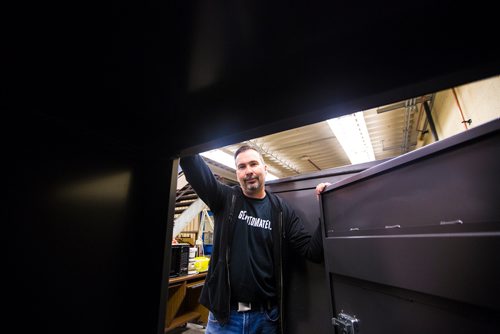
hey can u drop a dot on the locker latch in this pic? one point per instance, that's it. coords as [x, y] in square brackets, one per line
[346, 324]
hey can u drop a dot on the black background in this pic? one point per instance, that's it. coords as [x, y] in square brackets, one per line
[95, 90]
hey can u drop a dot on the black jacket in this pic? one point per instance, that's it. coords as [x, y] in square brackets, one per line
[224, 201]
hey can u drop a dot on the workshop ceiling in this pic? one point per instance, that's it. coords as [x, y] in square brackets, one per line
[393, 129]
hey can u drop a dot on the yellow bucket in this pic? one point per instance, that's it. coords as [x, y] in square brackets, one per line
[201, 263]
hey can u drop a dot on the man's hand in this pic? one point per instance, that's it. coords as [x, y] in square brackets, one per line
[321, 187]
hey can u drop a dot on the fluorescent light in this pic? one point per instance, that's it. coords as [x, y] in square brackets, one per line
[220, 157]
[352, 134]
[228, 160]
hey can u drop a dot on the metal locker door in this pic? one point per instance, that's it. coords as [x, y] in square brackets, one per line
[411, 245]
[306, 294]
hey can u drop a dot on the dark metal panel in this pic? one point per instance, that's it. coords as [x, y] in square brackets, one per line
[383, 309]
[310, 180]
[451, 265]
[306, 290]
[87, 227]
[417, 237]
[455, 184]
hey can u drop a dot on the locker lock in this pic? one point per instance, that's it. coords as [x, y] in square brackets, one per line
[346, 324]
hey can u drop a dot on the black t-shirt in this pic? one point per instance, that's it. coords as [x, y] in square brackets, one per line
[251, 260]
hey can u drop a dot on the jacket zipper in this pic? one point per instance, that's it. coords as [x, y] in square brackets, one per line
[231, 211]
[282, 232]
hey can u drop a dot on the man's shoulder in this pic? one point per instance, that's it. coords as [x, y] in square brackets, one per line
[276, 200]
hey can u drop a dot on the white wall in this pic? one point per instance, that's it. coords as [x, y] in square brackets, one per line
[479, 101]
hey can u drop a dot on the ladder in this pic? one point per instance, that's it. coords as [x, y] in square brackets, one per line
[203, 228]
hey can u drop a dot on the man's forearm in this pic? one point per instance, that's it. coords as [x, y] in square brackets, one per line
[200, 177]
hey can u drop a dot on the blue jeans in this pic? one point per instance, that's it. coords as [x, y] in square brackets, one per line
[250, 322]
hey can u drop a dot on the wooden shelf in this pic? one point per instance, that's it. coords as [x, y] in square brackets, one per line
[196, 284]
[186, 277]
[181, 320]
[182, 303]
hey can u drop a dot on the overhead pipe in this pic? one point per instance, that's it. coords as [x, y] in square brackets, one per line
[263, 151]
[431, 121]
[464, 122]
[424, 130]
[308, 159]
[312, 163]
[410, 105]
[404, 104]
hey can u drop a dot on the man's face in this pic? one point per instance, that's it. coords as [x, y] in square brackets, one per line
[251, 173]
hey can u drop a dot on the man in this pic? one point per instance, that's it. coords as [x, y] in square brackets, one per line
[243, 286]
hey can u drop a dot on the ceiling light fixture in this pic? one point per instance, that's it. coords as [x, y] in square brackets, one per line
[228, 161]
[352, 134]
[221, 157]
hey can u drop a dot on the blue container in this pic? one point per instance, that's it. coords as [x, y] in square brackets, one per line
[207, 249]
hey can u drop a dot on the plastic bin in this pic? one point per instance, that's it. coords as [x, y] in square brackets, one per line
[207, 249]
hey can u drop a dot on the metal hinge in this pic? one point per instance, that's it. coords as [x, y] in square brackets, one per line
[346, 324]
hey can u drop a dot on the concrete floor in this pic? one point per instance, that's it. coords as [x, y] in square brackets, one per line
[189, 329]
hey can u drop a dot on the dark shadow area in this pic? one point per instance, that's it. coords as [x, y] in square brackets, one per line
[98, 97]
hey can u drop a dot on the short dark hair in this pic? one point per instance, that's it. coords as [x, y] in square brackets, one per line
[244, 148]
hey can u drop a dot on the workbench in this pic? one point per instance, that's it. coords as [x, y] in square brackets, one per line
[182, 303]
